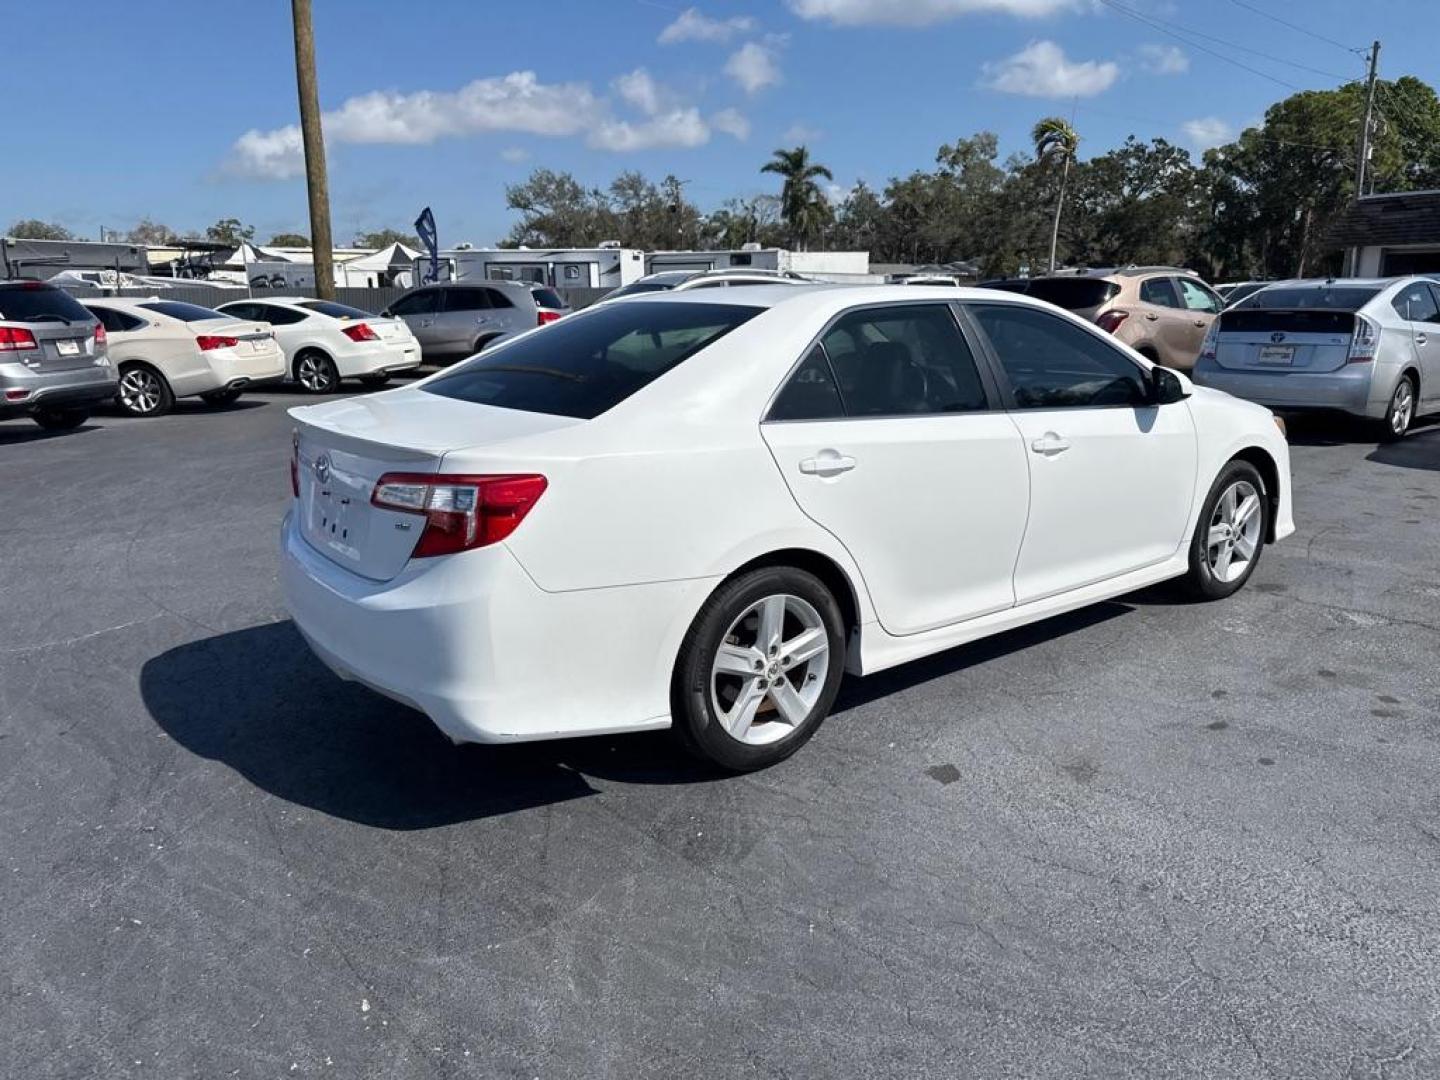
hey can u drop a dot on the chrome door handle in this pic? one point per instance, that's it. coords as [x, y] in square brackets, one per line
[1151, 316]
[827, 463]
[1421, 339]
[1050, 444]
[1199, 322]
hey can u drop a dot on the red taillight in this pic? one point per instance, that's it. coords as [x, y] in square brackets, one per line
[100, 336]
[1111, 320]
[360, 332]
[295, 464]
[215, 341]
[544, 317]
[16, 338]
[16, 395]
[461, 512]
[1364, 342]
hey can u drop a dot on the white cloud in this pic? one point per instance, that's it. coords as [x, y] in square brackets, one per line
[800, 133]
[514, 154]
[1041, 69]
[693, 26]
[268, 155]
[1207, 132]
[1164, 59]
[835, 194]
[641, 91]
[921, 12]
[732, 122]
[754, 66]
[674, 128]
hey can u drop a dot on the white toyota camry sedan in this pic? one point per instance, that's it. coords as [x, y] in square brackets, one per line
[700, 510]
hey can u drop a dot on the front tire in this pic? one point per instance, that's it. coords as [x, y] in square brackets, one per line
[316, 373]
[1230, 534]
[759, 669]
[1400, 413]
[60, 419]
[143, 391]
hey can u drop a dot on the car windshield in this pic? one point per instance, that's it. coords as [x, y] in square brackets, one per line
[40, 303]
[1295, 297]
[586, 364]
[334, 310]
[178, 309]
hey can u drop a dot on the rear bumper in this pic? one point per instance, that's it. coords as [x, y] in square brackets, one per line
[377, 357]
[487, 655]
[1348, 390]
[74, 389]
[226, 370]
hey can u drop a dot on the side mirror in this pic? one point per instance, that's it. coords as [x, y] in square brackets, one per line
[1166, 387]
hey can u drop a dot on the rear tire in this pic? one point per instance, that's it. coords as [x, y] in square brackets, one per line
[143, 391]
[60, 419]
[316, 373]
[220, 398]
[1400, 413]
[759, 669]
[1230, 534]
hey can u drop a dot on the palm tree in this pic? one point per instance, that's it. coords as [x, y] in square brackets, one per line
[801, 203]
[1054, 138]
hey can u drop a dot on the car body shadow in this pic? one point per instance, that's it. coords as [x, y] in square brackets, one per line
[25, 430]
[1418, 450]
[260, 702]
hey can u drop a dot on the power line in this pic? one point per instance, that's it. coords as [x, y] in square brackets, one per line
[1255, 134]
[1295, 26]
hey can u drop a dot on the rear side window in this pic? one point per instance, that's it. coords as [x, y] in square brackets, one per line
[176, 309]
[903, 360]
[587, 364]
[548, 298]
[1158, 291]
[1052, 364]
[1073, 294]
[1414, 303]
[334, 310]
[117, 322]
[40, 303]
[811, 393]
[1293, 297]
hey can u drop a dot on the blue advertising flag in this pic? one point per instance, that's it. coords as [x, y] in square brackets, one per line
[425, 229]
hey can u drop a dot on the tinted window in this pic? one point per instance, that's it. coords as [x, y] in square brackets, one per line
[811, 393]
[416, 303]
[334, 310]
[584, 365]
[113, 320]
[176, 309]
[279, 316]
[1333, 297]
[1240, 292]
[1015, 285]
[1158, 291]
[903, 360]
[1196, 297]
[1073, 294]
[548, 298]
[1052, 364]
[1415, 304]
[242, 310]
[467, 300]
[40, 303]
[498, 299]
[640, 287]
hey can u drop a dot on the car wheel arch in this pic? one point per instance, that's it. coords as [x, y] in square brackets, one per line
[1269, 471]
[822, 566]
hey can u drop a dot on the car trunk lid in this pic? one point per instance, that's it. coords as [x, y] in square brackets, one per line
[344, 448]
[1279, 340]
[59, 346]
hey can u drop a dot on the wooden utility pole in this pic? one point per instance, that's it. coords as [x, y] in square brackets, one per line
[323, 250]
[1362, 167]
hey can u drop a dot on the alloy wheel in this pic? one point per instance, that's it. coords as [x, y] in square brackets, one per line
[140, 391]
[313, 373]
[1402, 407]
[1234, 536]
[770, 669]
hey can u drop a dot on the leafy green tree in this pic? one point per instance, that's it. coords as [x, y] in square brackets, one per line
[802, 205]
[230, 231]
[295, 239]
[146, 231]
[383, 238]
[34, 229]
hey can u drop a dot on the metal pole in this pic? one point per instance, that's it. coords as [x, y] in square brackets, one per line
[321, 246]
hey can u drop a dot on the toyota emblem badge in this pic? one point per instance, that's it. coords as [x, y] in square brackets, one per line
[1277, 337]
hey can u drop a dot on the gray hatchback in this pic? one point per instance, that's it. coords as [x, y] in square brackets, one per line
[53, 361]
[457, 319]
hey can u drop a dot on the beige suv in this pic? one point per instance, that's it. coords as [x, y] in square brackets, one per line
[1159, 311]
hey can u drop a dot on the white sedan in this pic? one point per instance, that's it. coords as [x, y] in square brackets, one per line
[168, 349]
[325, 342]
[699, 510]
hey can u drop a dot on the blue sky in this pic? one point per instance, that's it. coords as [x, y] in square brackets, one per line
[184, 110]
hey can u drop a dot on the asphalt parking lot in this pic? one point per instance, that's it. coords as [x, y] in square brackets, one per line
[1150, 839]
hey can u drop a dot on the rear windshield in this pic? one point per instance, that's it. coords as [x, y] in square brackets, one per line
[178, 309]
[588, 363]
[1331, 297]
[639, 287]
[1073, 293]
[1243, 320]
[334, 310]
[40, 303]
[1015, 285]
[548, 298]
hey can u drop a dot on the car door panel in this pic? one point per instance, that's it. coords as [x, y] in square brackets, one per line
[1427, 352]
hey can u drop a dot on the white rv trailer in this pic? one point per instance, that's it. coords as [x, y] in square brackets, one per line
[844, 267]
[605, 267]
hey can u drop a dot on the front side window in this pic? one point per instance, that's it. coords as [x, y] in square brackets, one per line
[1196, 297]
[280, 316]
[241, 310]
[467, 299]
[1414, 303]
[1052, 364]
[1158, 291]
[903, 360]
[416, 303]
[810, 393]
[586, 364]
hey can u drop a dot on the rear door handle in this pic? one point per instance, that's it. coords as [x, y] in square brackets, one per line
[1050, 444]
[1200, 322]
[1151, 316]
[1421, 339]
[827, 463]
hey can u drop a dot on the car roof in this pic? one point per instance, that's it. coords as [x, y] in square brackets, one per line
[802, 298]
[125, 302]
